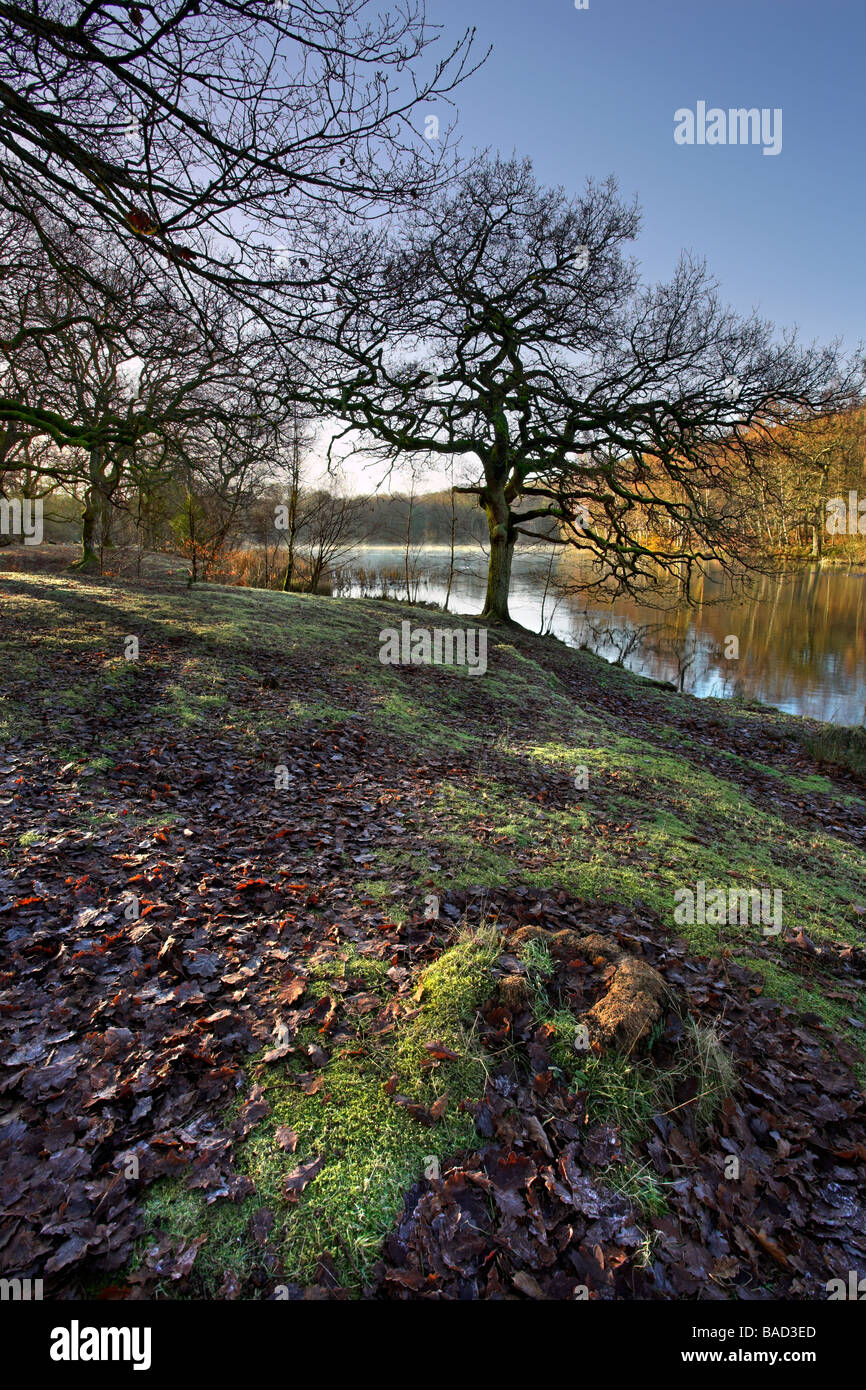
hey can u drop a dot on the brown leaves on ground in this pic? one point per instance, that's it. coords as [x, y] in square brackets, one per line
[123, 1041]
[533, 1212]
[441, 1052]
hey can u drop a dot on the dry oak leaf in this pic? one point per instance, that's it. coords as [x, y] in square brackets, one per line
[294, 1183]
[441, 1052]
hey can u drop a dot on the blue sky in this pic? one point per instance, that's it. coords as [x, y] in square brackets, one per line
[594, 92]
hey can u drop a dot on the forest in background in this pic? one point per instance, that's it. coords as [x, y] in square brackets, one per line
[270, 527]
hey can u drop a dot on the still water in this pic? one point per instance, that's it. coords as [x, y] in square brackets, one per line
[801, 637]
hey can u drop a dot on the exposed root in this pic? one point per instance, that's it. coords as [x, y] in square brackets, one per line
[634, 1000]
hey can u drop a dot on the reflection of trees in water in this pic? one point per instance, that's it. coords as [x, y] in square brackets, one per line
[802, 636]
[667, 650]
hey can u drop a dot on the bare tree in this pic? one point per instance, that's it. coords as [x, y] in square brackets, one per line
[807, 461]
[221, 464]
[213, 139]
[117, 384]
[452, 530]
[299, 439]
[330, 531]
[502, 326]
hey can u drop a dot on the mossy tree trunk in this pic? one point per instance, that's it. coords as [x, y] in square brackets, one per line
[89, 558]
[103, 477]
[501, 525]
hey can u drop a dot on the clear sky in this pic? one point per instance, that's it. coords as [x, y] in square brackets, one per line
[594, 92]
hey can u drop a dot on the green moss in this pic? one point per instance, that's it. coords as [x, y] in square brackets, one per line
[373, 1147]
[398, 715]
[453, 988]
[348, 964]
[16, 720]
[284, 713]
[656, 823]
[103, 762]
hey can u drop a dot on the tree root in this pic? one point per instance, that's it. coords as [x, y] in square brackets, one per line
[634, 1002]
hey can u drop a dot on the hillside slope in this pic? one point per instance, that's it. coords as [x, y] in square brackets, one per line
[257, 1023]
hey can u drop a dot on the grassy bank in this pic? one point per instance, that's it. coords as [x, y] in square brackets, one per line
[552, 771]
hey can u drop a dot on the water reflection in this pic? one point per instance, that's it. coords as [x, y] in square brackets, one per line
[802, 637]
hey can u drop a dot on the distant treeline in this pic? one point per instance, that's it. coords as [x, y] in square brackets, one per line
[426, 519]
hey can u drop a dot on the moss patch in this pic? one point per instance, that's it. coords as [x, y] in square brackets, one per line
[374, 1149]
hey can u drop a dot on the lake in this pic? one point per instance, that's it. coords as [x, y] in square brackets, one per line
[801, 637]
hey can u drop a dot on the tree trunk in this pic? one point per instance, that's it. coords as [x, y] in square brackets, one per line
[97, 510]
[820, 522]
[317, 565]
[105, 521]
[546, 592]
[294, 493]
[502, 538]
[89, 559]
[409, 542]
[138, 536]
[451, 545]
[193, 548]
[293, 526]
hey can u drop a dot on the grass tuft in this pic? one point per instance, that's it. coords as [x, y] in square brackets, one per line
[374, 1149]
